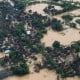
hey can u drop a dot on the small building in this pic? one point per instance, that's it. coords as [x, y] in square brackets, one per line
[28, 32]
[6, 51]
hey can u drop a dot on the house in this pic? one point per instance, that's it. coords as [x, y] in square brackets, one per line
[6, 51]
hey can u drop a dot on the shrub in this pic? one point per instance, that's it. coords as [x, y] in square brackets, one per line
[22, 69]
[56, 44]
[72, 25]
[67, 17]
[56, 25]
[78, 21]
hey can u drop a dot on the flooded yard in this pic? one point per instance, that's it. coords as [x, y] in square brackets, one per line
[9, 2]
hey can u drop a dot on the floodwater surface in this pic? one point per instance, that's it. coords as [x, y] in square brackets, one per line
[65, 37]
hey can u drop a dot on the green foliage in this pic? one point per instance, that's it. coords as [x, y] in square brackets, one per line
[72, 25]
[34, 58]
[38, 21]
[16, 57]
[76, 46]
[38, 35]
[55, 0]
[35, 49]
[19, 29]
[21, 4]
[22, 69]
[2, 34]
[66, 6]
[56, 25]
[56, 44]
[78, 21]
[67, 18]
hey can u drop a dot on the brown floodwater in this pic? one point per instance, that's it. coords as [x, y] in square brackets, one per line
[37, 8]
[65, 37]
[2, 55]
[42, 75]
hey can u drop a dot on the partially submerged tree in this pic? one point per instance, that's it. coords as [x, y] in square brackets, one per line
[22, 69]
[56, 44]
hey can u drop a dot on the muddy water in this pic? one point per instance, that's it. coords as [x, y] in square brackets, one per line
[74, 12]
[74, 0]
[42, 75]
[37, 8]
[2, 55]
[65, 37]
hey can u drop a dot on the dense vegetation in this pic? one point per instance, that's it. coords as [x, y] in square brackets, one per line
[67, 18]
[78, 21]
[56, 59]
[56, 25]
[21, 70]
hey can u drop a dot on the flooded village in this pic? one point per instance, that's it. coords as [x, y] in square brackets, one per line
[39, 40]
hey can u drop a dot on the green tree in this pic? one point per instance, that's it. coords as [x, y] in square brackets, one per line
[67, 18]
[72, 25]
[56, 25]
[22, 69]
[21, 4]
[78, 21]
[56, 44]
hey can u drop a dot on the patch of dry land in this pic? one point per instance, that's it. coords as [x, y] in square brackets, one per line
[42, 75]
